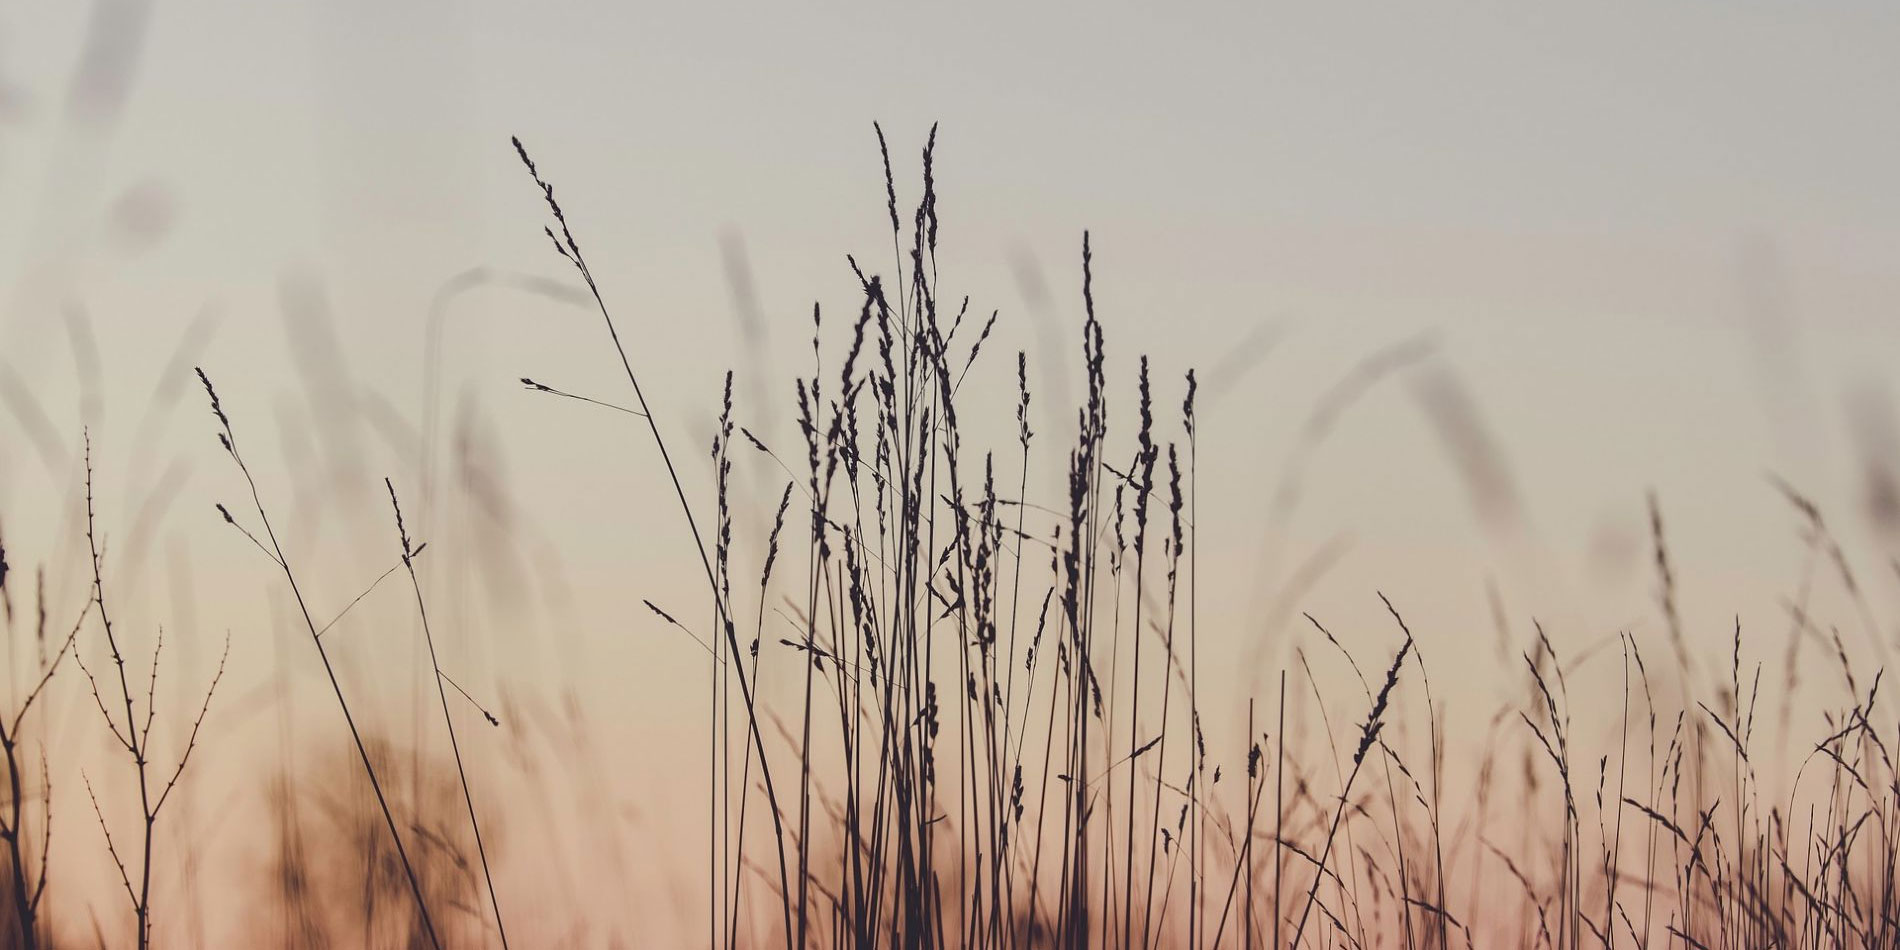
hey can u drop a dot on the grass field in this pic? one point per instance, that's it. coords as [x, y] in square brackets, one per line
[997, 731]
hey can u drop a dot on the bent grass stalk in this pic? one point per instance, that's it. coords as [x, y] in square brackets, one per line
[227, 437]
[569, 249]
[448, 721]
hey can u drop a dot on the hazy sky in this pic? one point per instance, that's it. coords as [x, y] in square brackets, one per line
[1654, 244]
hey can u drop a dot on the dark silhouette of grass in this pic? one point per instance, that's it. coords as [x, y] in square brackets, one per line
[134, 735]
[25, 884]
[989, 685]
[448, 720]
[275, 552]
[911, 579]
